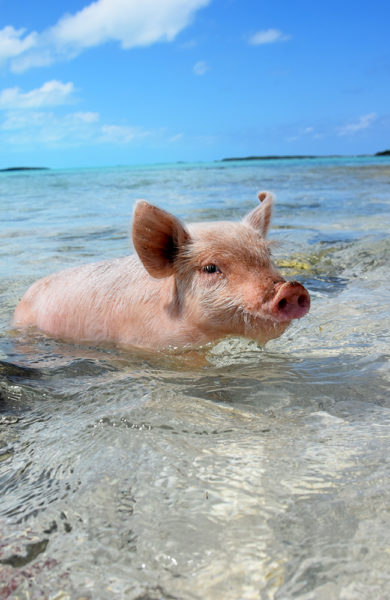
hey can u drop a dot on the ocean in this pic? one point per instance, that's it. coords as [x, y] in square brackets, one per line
[230, 473]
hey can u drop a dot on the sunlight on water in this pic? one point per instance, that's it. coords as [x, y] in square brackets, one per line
[228, 472]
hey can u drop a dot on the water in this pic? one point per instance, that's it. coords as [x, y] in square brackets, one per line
[229, 473]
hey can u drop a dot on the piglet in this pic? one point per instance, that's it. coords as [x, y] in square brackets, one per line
[186, 286]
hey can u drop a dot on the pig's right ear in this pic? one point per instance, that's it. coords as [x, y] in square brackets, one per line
[157, 237]
[260, 217]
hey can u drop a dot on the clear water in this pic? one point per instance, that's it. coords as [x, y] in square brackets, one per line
[229, 473]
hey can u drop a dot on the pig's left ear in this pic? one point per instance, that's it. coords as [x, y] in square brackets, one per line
[157, 237]
[260, 217]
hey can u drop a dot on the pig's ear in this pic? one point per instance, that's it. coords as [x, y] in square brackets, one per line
[157, 237]
[260, 217]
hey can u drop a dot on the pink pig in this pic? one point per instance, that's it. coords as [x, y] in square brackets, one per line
[186, 287]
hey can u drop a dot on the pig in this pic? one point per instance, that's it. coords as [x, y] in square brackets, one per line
[186, 286]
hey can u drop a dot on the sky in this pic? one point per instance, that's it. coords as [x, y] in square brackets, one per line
[121, 82]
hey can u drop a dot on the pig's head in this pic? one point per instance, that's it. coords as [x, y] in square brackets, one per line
[224, 280]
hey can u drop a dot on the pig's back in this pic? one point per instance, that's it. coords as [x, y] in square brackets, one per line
[85, 302]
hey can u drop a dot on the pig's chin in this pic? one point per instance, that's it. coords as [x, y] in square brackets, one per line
[262, 329]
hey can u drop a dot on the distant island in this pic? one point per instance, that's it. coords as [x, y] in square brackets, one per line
[285, 157]
[10, 169]
[302, 156]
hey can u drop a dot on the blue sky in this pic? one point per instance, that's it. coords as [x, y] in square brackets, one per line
[145, 81]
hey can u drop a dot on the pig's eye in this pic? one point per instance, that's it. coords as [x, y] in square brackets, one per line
[211, 269]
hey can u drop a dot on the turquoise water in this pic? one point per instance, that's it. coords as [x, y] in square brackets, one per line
[230, 473]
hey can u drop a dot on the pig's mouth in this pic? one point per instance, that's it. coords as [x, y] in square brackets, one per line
[291, 301]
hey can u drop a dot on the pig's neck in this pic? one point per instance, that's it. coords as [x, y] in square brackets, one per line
[175, 318]
[164, 316]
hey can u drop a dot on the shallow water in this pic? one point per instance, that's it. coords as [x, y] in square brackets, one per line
[230, 473]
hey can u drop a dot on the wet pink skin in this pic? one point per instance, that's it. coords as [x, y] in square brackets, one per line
[184, 287]
[291, 301]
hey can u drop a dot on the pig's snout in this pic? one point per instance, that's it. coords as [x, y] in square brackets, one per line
[291, 301]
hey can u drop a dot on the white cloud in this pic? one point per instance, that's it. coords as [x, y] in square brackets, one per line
[121, 134]
[363, 123]
[12, 42]
[26, 122]
[30, 128]
[40, 123]
[189, 45]
[15, 121]
[176, 138]
[87, 117]
[130, 22]
[52, 93]
[201, 67]
[268, 36]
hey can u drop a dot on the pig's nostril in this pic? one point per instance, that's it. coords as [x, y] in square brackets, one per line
[302, 301]
[291, 302]
[282, 303]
